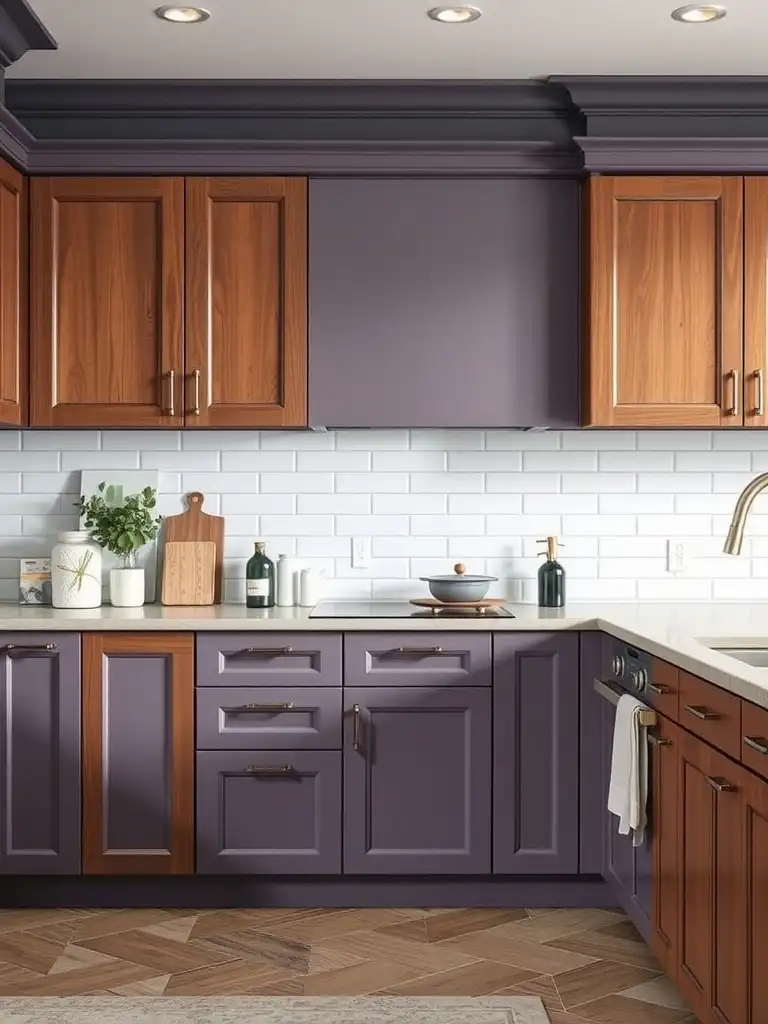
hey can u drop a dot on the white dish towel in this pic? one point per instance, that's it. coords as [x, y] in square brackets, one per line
[628, 791]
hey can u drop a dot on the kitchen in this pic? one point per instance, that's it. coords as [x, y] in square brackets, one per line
[390, 327]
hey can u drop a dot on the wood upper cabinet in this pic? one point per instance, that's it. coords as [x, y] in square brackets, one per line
[665, 304]
[13, 296]
[755, 299]
[107, 267]
[246, 302]
[138, 753]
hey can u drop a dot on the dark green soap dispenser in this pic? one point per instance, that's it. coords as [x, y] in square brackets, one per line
[551, 577]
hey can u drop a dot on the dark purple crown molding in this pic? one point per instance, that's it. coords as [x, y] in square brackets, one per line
[21, 30]
[671, 156]
[16, 142]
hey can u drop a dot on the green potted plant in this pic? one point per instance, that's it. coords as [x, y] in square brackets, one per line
[122, 527]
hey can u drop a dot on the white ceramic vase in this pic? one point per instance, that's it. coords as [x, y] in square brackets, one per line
[126, 585]
[76, 571]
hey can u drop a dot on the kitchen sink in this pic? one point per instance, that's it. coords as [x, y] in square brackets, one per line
[756, 656]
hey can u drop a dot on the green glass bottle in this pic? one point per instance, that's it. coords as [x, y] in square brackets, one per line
[259, 579]
[551, 577]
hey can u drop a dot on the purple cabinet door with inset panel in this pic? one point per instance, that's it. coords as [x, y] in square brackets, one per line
[424, 290]
[269, 812]
[269, 659]
[417, 780]
[40, 723]
[417, 659]
[536, 753]
[256, 718]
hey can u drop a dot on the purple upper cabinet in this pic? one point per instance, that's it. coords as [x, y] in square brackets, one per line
[40, 767]
[536, 753]
[417, 780]
[450, 302]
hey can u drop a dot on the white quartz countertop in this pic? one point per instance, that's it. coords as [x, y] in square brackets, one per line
[679, 633]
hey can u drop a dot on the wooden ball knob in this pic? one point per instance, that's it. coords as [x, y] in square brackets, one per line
[460, 568]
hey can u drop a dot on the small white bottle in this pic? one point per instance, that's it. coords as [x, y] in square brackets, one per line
[310, 587]
[287, 581]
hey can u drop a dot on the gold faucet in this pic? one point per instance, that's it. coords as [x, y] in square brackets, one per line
[735, 536]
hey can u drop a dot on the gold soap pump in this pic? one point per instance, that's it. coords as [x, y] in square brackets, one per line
[551, 577]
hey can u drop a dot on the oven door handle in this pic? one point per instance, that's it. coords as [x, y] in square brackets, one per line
[611, 693]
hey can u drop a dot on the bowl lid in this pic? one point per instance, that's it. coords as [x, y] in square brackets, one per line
[459, 576]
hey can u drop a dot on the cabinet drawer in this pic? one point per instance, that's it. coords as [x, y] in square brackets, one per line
[271, 813]
[417, 659]
[269, 659]
[754, 738]
[663, 688]
[256, 718]
[711, 713]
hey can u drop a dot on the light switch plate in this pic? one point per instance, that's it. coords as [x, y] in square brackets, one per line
[361, 552]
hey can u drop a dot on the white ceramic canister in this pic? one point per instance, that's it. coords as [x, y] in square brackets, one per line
[287, 580]
[126, 585]
[76, 571]
[310, 587]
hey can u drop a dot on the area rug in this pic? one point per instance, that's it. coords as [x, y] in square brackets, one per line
[273, 1010]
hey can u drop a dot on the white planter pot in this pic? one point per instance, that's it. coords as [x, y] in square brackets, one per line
[76, 571]
[126, 587]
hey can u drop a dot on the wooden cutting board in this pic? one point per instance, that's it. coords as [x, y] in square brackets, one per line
[189, 572]
[194, 524]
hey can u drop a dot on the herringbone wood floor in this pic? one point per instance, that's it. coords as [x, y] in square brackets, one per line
[587, 965]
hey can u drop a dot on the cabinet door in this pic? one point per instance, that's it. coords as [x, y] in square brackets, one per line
[40, 766]
[755, 803]
[14, 237]
[424, 290]
[712, 920]
[417, 780]
[664, 336]
[106, 278]
[138, 753]
[536, 753]
[755, 300]
[269, 812]
[664, 743]
[246, 315]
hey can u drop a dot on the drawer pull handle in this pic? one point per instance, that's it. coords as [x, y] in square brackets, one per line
[29, 647]
[356, 728]
[286, 706]
[756, 744]
[658, 741]
[418, 650]
[659, 689]
[702, 713]
[268, 650]
[257, 769]
[720, 785]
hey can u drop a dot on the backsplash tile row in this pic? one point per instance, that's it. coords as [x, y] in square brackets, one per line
[427, 498]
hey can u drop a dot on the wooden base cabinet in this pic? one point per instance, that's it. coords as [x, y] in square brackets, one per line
[138, 753]
[755, 810]
[664, 743]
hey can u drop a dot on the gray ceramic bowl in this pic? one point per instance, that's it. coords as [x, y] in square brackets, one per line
[459, 587]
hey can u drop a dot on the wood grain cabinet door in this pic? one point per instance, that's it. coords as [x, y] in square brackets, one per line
[711, 967]
[14, 238]
[40, 766]
[536, 753]
[664, 743]
[246, 304]
[138, 753]
[755, 300]
[106, 312]
[664, 333]
[417, 780]
[755, 804]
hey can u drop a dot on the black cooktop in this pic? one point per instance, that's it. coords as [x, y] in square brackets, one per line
[400, 610]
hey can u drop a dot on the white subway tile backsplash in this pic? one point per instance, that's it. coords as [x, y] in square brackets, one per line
[601, 590]
[254, 462]
[445, 483]
[295, 483]
[371, 483]
[633, 568]
[633, 504]
[740, 590]
[522, 440]
[486, 462]
[576, 547]
[461, 548]
[671, 483]
[330, 462]
[601, 483]
[120, 440]
[335, 504]
[740, 440]
[513, 483]
[446, 526]
[76, 460]
[636, 462]
[560, 462]
[632, 547]
[372, 525]
[424, 461]
[674, 526]
[297, 440]
[204, 440]
[412, 504]
[40, 483]
[372, 440]
[252, 504]
[324, 547]
[447, 440]
[674, 588]
[380, 568]
[599, 440]
[694, 462]
[409, 547]
[599, 524]
[545, 503]
[730, 483]
[178, 461]
[523, 526]
[675, 440]
[484, 504]
[11, 440]
[62, 440]
[717, 504]
[297, 526]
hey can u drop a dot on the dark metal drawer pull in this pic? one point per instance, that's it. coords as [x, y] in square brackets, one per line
[268, 650]
[418, 650]
[29, 647]
[356, 727]
[658, 689]
[658, 741]
[701, 712]
[287, 706]
[756, 743]
[257, 769]
[720, 785]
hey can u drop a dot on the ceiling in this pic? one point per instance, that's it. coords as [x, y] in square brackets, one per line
[394, 39]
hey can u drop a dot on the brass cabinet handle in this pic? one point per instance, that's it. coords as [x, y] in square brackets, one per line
[700, 712]
[10, 648]
[759, 409]
[418, 650]
[287, 706]
[267, 650]
[196, 380]
[171, 392]
[658, 689]
[356, 727]
[720, 785]
[257, 769]
[756, 744]
[733, 376]
[658, 741]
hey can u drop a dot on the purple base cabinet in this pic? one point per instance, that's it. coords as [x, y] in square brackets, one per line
[536, 753]
[40, 784]
[269, 812]
[417, 780]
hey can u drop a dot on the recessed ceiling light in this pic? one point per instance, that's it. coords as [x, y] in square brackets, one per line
[183, 15]
[695, 14]
[454, 15]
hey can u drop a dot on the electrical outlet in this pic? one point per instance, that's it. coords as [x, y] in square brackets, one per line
[677, 558]
[361, 552]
